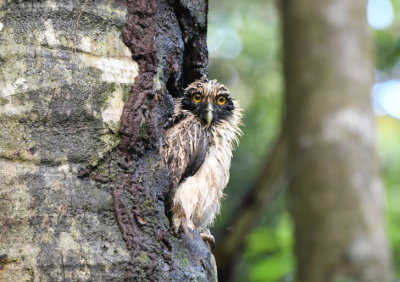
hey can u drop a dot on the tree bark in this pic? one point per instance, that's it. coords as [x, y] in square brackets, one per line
[336, 189]
[85, 88]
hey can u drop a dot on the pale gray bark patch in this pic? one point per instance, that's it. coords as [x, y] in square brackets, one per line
[60, 113]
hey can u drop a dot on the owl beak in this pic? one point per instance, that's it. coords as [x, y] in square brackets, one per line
[210, 110]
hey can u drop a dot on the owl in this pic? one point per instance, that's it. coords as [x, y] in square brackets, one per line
[199, 139]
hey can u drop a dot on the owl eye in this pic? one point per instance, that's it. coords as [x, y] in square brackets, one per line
[196, 98]
[221, 100]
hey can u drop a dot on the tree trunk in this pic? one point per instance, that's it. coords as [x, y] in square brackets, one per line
[82, 192]
[336, 189]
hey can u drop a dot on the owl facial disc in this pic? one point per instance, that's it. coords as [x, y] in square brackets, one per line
[210, 101]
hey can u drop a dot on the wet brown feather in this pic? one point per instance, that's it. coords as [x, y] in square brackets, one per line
[198, 159]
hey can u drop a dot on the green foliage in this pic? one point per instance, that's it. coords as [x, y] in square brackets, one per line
[389, 152]
[387, 46]
[387, 42]
[254, 77]
[269, 251]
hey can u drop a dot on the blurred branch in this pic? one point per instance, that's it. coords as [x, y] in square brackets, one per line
[272, 180]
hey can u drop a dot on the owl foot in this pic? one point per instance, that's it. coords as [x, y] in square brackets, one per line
[207, 237]
[181, 224]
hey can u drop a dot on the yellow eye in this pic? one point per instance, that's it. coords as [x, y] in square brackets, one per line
[221, 100]
[196, 98]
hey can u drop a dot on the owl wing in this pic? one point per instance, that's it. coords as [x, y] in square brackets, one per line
[186, 144]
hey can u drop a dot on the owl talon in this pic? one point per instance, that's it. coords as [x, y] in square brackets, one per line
[181, 225]
[207, 237]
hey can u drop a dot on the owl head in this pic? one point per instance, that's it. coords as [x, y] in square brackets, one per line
[208, 100]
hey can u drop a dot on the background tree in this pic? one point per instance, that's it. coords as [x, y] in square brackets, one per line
[82, 194]
[337, 197]
[253, 74]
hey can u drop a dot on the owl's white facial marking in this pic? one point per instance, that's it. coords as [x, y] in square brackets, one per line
[209, 88]
[210, 114]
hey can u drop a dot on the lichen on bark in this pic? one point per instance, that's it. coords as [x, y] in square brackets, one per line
[79, 171]
[56, 118]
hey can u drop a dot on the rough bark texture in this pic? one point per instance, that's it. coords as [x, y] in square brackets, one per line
[336, 190]
[81, 188]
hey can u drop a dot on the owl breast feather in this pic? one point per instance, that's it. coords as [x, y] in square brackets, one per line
[198, 161]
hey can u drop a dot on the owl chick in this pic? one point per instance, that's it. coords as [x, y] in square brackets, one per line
[199, 139]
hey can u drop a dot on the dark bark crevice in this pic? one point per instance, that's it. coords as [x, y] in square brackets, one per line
[140, 198]
[193, 28]
[139, 136]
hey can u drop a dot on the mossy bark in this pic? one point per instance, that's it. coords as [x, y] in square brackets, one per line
[336, 190]
[85, 87]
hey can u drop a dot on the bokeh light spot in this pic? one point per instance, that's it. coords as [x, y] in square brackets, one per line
[386, 98]
[224, 43]
[380, 13]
